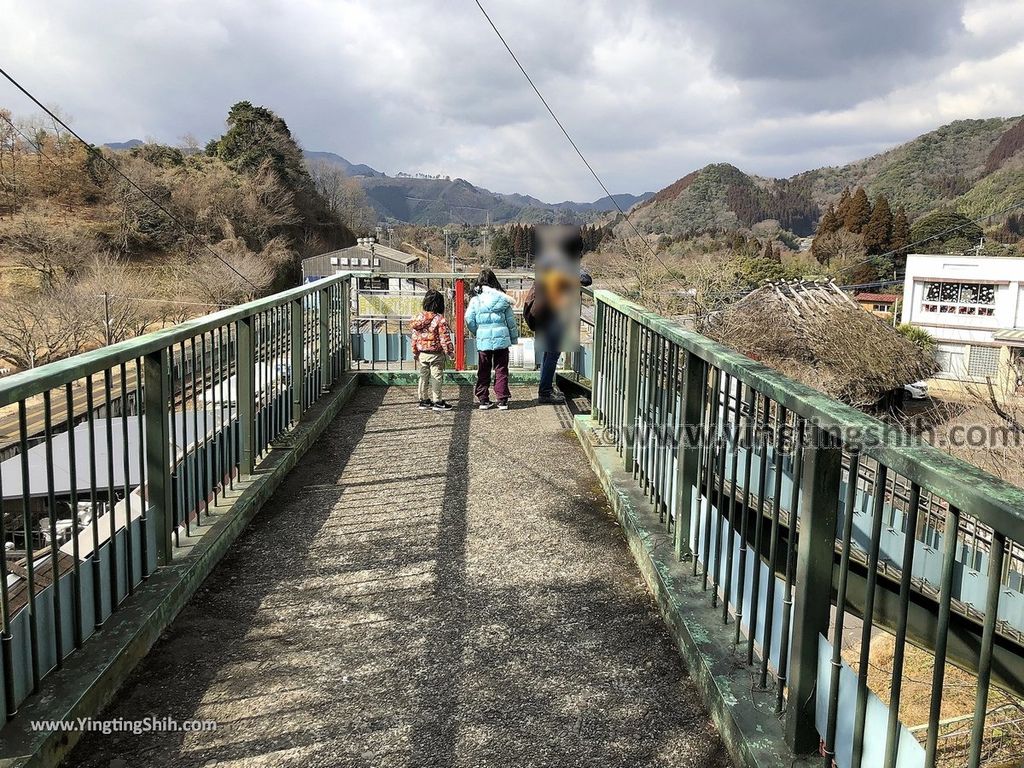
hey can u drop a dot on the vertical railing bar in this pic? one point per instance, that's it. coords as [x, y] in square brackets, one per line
[996, 556]
[76, 571]
[907, 570]
[129, 565]
[949, 547]
[762, 488]
[669, 429]
[713, 446]
[877, 515]
[720, 513]
[298, 364]
[184, 472]
[850, 500]
[782, 416]
[197, 469]
[51, 503]
[114, 570]
[216, 395]
[797, 447]
[140, 400]
[26, 524]
[748, 444]
[6, 638]
[731, 522]
[94, 523]
[174, 478]
[205, 447]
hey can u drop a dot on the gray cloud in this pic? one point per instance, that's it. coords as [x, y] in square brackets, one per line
[650, 89]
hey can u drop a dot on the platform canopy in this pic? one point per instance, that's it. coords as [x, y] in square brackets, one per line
[11, 470]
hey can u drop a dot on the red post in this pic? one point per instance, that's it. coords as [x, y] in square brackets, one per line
[460, 325]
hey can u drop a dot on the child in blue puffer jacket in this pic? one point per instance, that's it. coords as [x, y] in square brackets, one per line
[491, 319]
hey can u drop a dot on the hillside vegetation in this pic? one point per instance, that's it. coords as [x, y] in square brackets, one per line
[973, 166]
[78, 240]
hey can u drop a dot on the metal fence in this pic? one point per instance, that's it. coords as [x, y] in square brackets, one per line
[122, 450]
[808, 522]
[384, 303]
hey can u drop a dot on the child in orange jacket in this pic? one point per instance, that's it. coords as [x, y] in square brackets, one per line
[431, 345]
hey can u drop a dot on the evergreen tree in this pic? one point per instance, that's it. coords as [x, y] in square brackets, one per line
[858, 212]
[829, 225]
[501, 249]
[900, 238]
[878, 230]
[843, 206]
[518, 245]
[945, 231]
[256, 135]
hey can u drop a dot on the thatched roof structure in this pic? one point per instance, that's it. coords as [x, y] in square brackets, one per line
[817, 334]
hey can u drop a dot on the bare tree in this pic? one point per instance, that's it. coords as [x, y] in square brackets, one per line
[344, 196]
[53, 249]
[42, 327]
[127, 304]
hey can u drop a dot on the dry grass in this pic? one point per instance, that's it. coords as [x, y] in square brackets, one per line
[836, 348]
[1004, 738]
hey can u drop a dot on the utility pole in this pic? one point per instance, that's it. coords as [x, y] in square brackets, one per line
[106, 318]
[448, 253]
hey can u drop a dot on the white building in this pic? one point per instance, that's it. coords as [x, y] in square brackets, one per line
[974, 309]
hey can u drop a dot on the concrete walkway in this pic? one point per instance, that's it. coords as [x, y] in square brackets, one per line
[426, 589]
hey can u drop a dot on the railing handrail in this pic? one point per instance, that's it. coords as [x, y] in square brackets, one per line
[984, 496]
[56, 374]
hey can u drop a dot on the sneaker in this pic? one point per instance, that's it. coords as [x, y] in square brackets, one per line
[485, 405]
[441, 405]
[554, 398]
[425, 405]
[503, 405]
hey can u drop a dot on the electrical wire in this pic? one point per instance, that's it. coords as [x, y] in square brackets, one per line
[569, 138]
[113, 166]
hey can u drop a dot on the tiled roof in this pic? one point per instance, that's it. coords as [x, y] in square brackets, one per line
[881, 298]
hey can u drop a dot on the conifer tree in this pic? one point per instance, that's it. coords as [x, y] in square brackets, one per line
[829, 225]
[900, 238]
[518, 245]
[843, 206]
[878, 230]
[858, 212]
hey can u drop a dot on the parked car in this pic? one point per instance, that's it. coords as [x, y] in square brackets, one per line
[916, 391]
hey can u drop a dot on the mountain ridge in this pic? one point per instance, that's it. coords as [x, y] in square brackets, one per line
[976, 166]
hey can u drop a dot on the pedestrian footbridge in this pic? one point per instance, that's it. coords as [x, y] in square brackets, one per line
[238, 542]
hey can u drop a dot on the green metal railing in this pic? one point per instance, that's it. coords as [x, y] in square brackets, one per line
[123, 450]
[785, 503]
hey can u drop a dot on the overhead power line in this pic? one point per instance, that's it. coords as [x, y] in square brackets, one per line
[569, 138]
[113, 166]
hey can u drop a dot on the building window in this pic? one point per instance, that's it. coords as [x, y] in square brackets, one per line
[950, 358]
[343, 262]
[984, 362]
[960, 298]
[334, 261]
[882, 307]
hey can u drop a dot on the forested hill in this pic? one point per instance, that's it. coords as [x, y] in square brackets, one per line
[974, 166]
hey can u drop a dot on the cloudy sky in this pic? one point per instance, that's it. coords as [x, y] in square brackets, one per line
[650, 89]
